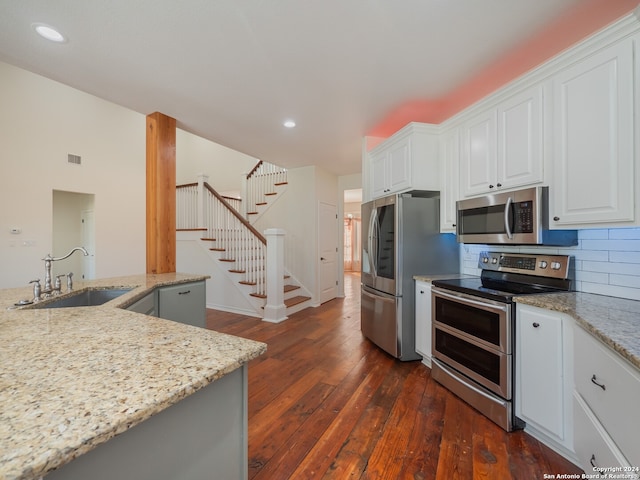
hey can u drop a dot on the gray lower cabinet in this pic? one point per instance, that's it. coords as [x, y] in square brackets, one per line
[146, 305]
[184, 303]
[201, 437]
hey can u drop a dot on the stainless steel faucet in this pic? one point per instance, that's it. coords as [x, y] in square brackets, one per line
[47, 269]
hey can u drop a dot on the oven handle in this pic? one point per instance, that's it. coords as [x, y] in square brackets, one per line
[507, 227]
[466, 299]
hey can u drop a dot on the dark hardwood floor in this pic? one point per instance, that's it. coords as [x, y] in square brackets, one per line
[326, 403]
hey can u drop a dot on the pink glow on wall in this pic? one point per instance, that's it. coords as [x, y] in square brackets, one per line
[574, 25]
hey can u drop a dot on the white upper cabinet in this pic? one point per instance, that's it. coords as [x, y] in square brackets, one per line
[479, 154]
[502, 146]
[520, 137]
[408, 160]
[450, 155]
[593, 181]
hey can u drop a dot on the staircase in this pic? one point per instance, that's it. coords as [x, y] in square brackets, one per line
[214, 237]
[264, 184]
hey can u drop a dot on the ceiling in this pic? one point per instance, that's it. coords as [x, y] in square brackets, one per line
[232, 71]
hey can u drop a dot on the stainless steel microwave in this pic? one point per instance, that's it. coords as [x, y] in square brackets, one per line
[519, 217]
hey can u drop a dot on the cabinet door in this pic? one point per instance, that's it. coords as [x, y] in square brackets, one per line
[594, 140]
[540, 370]
[378, 174]
[423, 321]
[520, 160]
[478, 156]
[450, 154]
[183, 303]
[399, 169]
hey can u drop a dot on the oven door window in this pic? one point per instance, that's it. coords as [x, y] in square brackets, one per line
[486, 366]
[485, 325]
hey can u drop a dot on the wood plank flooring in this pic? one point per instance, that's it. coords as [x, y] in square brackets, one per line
[325, 403]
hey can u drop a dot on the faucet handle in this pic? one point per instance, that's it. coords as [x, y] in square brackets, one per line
[70, 281]
[58, 283]
[36, 289]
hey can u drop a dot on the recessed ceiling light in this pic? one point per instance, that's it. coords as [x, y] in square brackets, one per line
[289, 123]
[48, 32]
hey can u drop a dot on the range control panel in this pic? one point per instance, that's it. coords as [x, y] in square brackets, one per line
[555, 266]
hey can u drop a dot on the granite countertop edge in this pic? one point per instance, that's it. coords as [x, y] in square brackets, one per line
[33, 440]
[614, 321]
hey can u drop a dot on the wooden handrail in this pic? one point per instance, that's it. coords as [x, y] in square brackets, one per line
[253, 170]
[236, 214]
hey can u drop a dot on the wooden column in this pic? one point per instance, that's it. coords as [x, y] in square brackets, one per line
[161, 193]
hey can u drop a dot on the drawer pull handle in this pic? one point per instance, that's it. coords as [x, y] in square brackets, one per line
[592, 461]
[593, 380]
[189, 291]
[535, 324]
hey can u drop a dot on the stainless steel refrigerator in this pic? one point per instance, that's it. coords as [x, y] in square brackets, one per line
[400, 238]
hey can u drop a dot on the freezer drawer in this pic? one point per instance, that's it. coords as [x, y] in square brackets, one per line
[379, 320]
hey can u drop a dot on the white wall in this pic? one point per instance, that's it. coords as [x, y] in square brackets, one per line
[295, 212]
[41, 121]
[607, 261]
[225, 167]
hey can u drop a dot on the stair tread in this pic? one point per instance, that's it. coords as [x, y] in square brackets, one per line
[271, 193]
[289, 288]
[281, 183]
[290, 302]
[208, 239]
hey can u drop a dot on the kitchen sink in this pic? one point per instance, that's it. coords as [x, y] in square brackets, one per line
[85, 298]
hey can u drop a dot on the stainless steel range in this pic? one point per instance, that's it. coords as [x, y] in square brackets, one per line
[473, 326]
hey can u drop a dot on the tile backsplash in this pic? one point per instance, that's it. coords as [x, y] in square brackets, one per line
[607, 261]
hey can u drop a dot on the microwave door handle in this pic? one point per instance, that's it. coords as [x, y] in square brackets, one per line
[507, 223]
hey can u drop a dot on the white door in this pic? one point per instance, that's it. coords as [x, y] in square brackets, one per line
[328, 249]
[89, 243]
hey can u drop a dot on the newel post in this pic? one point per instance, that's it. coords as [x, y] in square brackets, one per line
[202, 179]
[275, 309]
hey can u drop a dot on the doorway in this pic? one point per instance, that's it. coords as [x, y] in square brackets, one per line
[74, 226]
[352, 250]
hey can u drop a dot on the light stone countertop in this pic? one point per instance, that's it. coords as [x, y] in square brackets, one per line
[72, 378]
[614, 321]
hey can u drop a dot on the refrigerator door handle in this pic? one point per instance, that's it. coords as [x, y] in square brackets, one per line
[373, 241]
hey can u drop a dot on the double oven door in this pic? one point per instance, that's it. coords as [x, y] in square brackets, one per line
[473, 335]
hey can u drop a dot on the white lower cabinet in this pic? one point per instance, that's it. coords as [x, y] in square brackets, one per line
[423, 321]
[544, 375]
[607, 391]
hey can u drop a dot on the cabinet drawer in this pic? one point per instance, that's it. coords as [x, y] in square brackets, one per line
[593, 446]
[615, 402]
